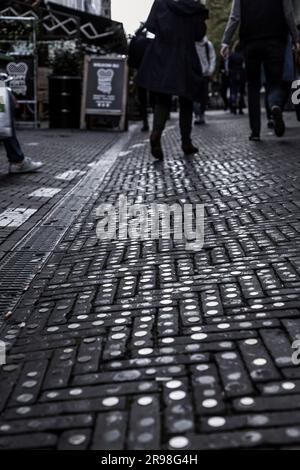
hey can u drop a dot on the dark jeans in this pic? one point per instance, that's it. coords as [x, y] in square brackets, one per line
[12, 145]
[237, 93]
[224, 89]
[269, 54]
[162, 111]
[285, 94]
[201, 106]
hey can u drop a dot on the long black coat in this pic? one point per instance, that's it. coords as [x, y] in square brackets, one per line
[171, 64]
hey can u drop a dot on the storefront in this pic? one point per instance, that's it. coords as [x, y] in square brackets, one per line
[54, 28]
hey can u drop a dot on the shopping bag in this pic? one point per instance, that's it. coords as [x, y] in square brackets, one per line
[6, 130]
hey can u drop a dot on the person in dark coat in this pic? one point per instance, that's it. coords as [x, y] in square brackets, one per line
[171, 65]
[137, 48]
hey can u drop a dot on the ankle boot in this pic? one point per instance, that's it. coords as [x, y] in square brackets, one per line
[189, 149]
[156, 148]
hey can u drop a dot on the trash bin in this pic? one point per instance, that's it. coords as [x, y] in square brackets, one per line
[64, 102]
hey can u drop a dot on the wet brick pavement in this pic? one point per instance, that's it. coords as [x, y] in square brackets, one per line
[66, 156]
[143, 344]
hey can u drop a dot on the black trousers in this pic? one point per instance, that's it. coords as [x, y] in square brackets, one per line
[269, 54]
[201, 106]
[143, 103]
[225, 83]
[162, 111]
[237, 92]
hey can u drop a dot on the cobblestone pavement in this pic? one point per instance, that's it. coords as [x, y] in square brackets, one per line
[143, 344]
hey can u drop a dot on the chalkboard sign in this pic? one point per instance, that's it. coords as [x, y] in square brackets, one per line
[105, 87]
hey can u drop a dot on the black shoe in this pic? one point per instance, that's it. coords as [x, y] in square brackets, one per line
[189, 149]
[279, 125]
[145, 127]
[270, 124]
[156, 148]
[200, 121]
[241, 112]
[255, 138]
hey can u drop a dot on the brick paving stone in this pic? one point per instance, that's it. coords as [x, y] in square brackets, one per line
[21, 426]
[110, 431]
[235, 377]
[77, 439]
[145, 423]
[28, 387]
[145, 344]
[26, 442]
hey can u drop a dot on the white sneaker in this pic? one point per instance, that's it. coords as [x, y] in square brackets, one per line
[26, 166]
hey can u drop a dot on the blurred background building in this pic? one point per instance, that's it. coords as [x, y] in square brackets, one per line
[219, 12]
[297, 10]
[96, 7]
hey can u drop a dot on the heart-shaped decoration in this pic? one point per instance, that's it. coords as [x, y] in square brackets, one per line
[17, 69]
[104, 74]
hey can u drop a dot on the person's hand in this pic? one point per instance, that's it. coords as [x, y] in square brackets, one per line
[296, 46]
[225, 51]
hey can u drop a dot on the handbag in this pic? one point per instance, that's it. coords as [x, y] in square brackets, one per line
[6, 129]
[137, 48]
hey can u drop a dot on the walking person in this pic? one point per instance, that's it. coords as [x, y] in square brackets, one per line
[208, 59]
[18, 162]
[225, 83]
[171, 66]
[264, 28]
[237, 79]
[137, 49]
[289, 75]
[296, 4]
[297, 106]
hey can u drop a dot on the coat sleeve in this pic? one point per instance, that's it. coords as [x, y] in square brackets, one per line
[233, 23]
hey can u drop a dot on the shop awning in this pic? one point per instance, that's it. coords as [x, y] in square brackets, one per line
[58, 22]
